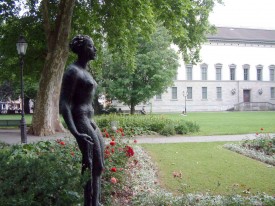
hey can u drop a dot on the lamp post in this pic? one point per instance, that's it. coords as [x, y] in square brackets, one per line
[21, 46]
[185, 96]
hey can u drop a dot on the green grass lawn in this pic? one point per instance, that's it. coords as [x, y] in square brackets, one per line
[223, 123]
[207, 167]
[215, 123]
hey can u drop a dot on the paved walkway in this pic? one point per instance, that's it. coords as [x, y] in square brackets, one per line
[12, 136]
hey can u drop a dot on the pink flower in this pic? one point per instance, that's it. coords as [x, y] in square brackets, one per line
[135, 141]
[113, 180]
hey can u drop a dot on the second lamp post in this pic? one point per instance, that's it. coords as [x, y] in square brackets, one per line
[185, 96]
[21, 46]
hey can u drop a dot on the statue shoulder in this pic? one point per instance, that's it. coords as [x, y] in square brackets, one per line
[72, 71]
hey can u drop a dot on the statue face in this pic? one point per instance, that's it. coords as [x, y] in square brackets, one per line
[90, 49]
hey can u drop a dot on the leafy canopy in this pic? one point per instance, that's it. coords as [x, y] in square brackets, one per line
[156, 67]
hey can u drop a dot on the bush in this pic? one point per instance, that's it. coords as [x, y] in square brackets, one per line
[181, 127]
[45, 173]
[146, 124]
[49, 172]
[168, 130]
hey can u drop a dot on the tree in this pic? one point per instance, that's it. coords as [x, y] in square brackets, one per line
[116, 22]
[155, 68]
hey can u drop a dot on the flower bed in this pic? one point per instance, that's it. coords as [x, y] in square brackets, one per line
[261, 148]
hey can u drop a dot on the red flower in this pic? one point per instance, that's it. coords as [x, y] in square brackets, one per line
[113, 169]
[107, 134]
[120, 129]
[113, 150]
[135, 141]
[112, 143]
[129, 151]
[72, 153]
[262, 129]
[62, 143]
[113, 180]
[122, 134]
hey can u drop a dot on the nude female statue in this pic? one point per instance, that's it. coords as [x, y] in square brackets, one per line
[77, 91]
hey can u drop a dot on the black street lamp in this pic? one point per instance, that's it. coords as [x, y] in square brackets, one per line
[21, 46]
[184, 95]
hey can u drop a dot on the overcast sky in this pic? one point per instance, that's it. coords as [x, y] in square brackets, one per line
[245, 14]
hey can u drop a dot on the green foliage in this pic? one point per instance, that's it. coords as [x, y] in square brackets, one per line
[48, 172]
[144, 124]
[168, 130]
[155, 68]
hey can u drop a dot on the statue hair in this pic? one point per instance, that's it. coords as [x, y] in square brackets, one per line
[78, 42]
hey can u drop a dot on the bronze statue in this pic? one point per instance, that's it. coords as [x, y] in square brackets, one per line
[78, 88]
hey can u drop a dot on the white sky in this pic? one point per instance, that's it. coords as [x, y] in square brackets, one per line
[245, 14]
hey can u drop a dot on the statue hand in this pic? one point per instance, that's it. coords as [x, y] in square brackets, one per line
[85, 137]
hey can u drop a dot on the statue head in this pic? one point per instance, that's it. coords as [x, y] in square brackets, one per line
[83, 45]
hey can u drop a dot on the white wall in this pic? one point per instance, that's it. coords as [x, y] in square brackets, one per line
[239, 55]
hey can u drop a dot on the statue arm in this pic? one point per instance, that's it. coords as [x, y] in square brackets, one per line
[66, 95]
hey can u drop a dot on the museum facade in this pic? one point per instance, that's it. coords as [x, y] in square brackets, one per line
[236, 72]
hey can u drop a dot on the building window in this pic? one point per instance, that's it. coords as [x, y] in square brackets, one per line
[189, 93]
[189, 72]
[272, 92]
[174, 93]
[158, 97]
[219, 92]
[246, 72]
[218, 71]
[272, 72]
[204, 72]
[232, 69]
[259, 72]
[204, 92]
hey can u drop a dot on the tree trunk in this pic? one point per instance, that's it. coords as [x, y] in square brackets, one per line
[26, 105]
[132, 108]
[46, 119]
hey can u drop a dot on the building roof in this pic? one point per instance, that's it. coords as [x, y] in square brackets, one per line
[243, 35]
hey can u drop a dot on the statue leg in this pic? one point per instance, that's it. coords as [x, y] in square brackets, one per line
[98, 165]
[87, 162]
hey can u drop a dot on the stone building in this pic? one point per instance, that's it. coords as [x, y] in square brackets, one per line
[236, 72]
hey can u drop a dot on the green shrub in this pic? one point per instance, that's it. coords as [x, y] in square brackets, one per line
[46, 173]
[181, 127]
[168, 130]
[146, 124]
[49, 172]
[192, 127]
